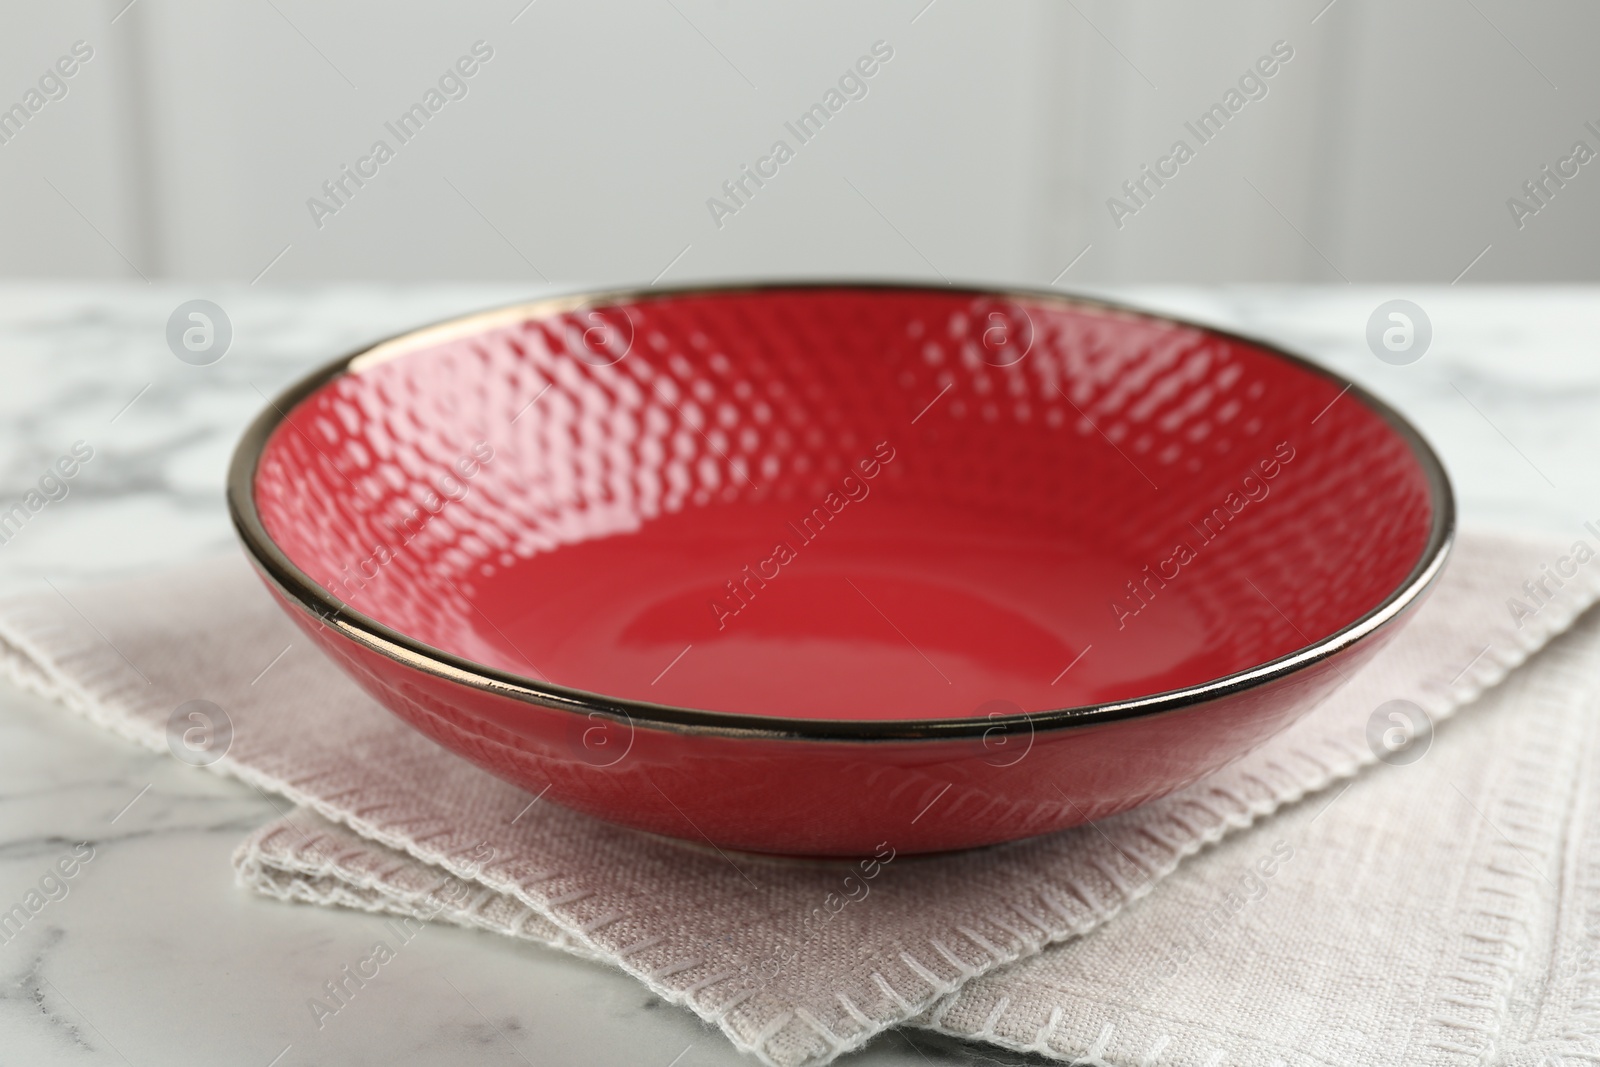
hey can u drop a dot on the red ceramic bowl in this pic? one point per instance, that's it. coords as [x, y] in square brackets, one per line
[812, 569]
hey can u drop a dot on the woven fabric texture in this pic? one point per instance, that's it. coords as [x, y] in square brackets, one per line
[987, 944]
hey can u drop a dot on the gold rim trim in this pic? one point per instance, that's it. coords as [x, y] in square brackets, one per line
[301, 590]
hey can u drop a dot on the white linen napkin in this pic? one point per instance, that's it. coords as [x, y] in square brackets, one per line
[931, 939]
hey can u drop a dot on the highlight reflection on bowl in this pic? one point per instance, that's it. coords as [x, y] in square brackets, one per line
[776, 566]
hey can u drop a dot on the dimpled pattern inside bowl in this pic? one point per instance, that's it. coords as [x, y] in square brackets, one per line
[847, 503]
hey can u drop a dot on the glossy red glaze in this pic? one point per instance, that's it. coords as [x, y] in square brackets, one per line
[775, 567]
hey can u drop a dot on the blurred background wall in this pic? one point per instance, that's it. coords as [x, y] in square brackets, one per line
[588, 143]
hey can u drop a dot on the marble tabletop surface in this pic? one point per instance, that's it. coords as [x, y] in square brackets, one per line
[156, 957]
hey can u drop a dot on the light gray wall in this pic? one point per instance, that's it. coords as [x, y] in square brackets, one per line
[987, 148]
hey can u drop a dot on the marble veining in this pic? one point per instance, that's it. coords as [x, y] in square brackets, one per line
[153, 955]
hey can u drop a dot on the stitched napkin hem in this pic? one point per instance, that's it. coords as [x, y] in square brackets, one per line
[941, 923]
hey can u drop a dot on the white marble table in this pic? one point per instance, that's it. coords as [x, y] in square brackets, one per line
[155, 956]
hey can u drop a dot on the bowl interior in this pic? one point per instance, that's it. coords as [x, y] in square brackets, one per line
[846, 503]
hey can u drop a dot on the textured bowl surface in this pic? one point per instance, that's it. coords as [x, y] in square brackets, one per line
[776, 566]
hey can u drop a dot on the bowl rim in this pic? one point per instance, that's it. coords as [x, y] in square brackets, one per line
[301, 590]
